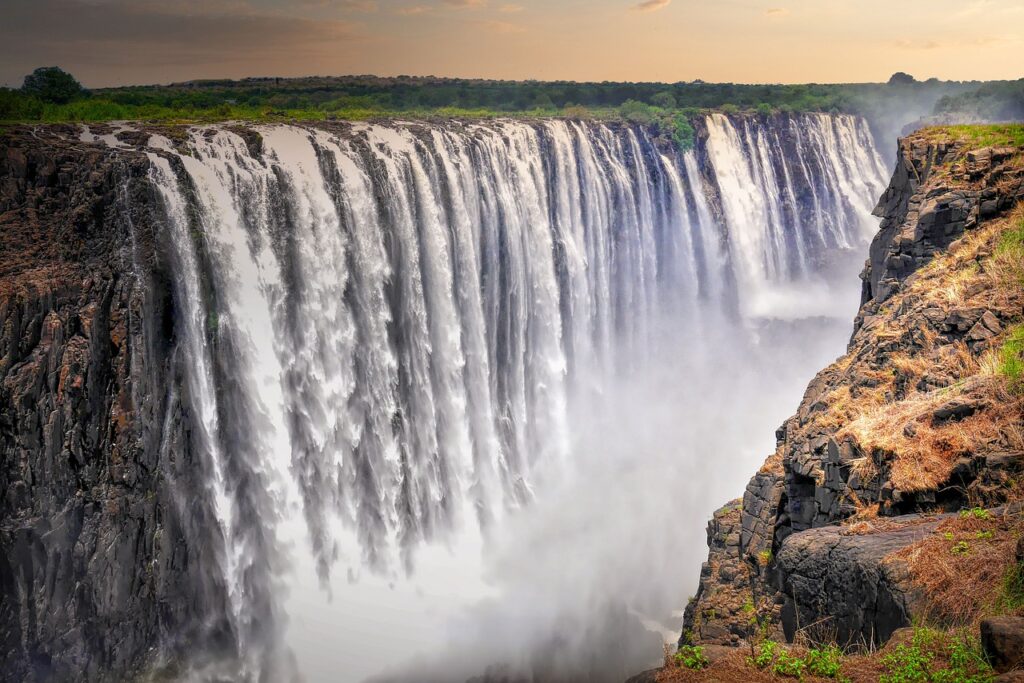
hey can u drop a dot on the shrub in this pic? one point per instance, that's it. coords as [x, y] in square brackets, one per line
[692, 657]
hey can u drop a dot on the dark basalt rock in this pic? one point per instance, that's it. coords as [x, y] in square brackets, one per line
[95, 568]
[1002, 639]
[842, 583]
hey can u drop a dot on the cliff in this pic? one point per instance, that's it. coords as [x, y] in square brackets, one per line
[850, 531]
[94, 569]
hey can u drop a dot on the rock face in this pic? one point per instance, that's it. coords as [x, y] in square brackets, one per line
[94, 567]
[906, 422]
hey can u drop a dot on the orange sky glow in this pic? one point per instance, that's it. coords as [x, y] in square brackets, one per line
[117, 42]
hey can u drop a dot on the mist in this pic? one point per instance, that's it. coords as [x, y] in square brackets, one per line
[587, 581]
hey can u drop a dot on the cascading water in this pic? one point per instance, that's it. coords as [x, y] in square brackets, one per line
[392, 331]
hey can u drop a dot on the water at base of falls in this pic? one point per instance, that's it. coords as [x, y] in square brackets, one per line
[455, 386]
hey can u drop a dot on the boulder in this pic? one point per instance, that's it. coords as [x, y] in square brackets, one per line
[844, 583]
[1002, 639]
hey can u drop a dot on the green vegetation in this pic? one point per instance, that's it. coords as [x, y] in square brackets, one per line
[976, 513]
[1011, 359]
[692, 657]
[50, 95]
[1010, 598]
[765, 654]
[825, 661]
[996, 101]
[990, 134]
[53, 85]
[922, 660]
[765, 557]
[960, 548]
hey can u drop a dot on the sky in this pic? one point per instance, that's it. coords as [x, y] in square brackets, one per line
[120, 42]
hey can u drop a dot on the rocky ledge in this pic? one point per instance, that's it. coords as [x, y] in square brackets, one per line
[885, 502]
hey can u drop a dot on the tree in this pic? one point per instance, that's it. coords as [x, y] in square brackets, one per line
[901, 78]
[52, 84]
[665, 100]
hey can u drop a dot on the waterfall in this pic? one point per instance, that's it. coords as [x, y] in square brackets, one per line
[388, 329]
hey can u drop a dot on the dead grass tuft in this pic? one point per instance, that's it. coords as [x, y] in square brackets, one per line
[919, 450]
[960, 569]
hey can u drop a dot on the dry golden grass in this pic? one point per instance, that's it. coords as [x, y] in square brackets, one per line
[918, 451]
[960, 569]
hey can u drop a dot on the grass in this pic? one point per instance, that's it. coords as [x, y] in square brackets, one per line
[977, 135]
[1011, 359]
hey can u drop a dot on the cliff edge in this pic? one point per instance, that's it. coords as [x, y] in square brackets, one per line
[892, 496]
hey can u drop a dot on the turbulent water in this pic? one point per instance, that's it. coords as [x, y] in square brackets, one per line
[389, 332]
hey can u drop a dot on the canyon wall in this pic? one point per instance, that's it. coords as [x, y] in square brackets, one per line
[218, 340]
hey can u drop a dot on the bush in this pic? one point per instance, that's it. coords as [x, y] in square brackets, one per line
[692, 657]
[54, 85]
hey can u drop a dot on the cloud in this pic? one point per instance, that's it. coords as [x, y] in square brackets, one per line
[510, 9]
[413, 10]
[344, 5]
[506, 27]
[959, 43]
[651, 5]
[776, 12]
[167, 41]
[465, 4]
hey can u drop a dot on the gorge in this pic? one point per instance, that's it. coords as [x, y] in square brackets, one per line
[249, 371]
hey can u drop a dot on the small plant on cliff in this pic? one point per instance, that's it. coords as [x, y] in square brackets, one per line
[765, 655]
[765, 558]
[692, 657]
[825, 661]
[787, 664]
[976, 513]
[960, 548]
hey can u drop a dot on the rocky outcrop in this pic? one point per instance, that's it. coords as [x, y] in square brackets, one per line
[907, 422]
[95, 571]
